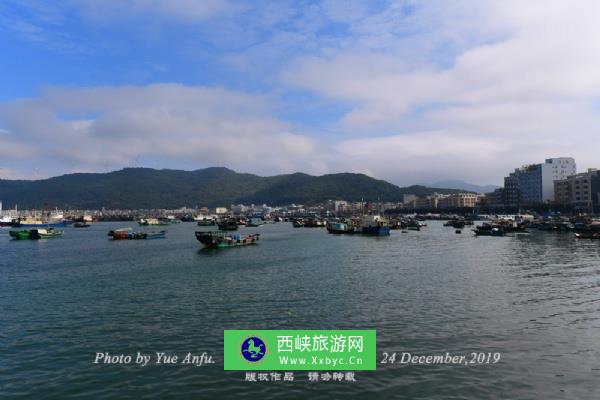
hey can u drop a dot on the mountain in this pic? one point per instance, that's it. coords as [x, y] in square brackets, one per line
[137, 188]
[462, 185]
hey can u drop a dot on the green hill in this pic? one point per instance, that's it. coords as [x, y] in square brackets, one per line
[135, 188]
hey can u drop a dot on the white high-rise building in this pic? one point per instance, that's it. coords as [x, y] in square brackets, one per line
[555, 169]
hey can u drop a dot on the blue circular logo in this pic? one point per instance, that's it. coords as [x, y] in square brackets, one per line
[253, 349]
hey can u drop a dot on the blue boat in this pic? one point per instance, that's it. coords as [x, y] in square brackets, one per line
[373, 225]
[376, 230]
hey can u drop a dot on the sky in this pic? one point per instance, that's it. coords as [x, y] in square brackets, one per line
[407, 91]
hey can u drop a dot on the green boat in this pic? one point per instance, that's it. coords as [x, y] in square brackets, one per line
[36, 234]
[19, 235]
[220, 239]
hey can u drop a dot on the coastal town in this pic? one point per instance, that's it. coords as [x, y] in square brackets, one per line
[554, 185]
[548, 196]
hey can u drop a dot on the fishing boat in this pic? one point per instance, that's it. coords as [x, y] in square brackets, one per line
[458, 224]
[45, 233]
[255, 222]
[339, 227]
[374, 225]
[155, 235]
[81, 224]
[9, 217]
[34, 222]
[129, 234]
[553, 224]
[153, 221]
[19, 235]
[587, 235]
[314, 223]
[220, 239]
[588, 231]
[206, 222]
[36, 234]
[397, 224]
[489, 230]
[229, 224]
[298, 223]
[7, 221]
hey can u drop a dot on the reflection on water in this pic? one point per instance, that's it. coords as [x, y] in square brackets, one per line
[534, 298]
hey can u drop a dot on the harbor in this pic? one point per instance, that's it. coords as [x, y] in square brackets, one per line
[43, 225]
[528, 297]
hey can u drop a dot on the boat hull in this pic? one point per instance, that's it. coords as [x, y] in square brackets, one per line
[19, 235]
[124, 234]
[221, 240]
[155, 235]
[36, 234]
[587, 235]
[488, 232]
[45, 234]
[339, 228]
[375, 230]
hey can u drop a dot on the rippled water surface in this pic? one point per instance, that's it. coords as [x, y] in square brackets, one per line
[535, 299]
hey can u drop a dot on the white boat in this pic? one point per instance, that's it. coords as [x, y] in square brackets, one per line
[8, 218]
[152, 221]
[56, 216]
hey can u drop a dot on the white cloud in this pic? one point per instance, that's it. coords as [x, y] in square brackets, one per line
[112, 127]
[520, 85]
[435, 90]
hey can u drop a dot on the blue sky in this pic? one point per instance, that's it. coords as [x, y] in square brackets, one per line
[401, 90]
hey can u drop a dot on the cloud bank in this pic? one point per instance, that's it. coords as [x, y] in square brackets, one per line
[403, 91]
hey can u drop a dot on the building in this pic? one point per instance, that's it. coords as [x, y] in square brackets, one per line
[494, 199]
[427, 202]
[555, 169]
[430, 202]
[530, 178]
[511, 193]
[581, 191]
[534, 183]
[462, 200]
[340, 206]
[563, 192]
[408, 198]
[595, 192]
